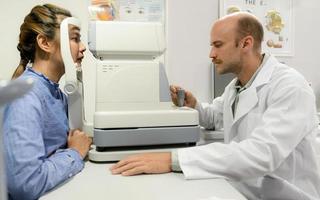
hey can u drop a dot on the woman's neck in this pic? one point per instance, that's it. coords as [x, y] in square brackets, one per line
[47, 69]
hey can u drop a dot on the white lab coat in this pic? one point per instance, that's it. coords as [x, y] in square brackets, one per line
[272, 135]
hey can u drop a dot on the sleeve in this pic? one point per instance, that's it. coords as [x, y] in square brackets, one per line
[175, 167]
[211, 115]
[30, 172]
[288, 119]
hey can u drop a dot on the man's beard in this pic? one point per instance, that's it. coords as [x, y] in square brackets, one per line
[228, 67]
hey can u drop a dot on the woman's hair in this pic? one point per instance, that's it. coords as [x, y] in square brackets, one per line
[42, 19]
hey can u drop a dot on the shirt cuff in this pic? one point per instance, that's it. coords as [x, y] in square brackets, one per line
[75, 154]
[175, 166]
[75, 159]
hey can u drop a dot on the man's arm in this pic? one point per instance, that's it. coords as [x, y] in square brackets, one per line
[210, 115]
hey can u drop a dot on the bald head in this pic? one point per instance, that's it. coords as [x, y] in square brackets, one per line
[243, 24]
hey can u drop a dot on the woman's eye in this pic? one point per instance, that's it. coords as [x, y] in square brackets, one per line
[76, 39]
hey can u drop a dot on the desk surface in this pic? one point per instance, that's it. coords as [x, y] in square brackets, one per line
[96, 182]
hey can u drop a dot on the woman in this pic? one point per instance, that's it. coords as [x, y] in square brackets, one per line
[40, 150]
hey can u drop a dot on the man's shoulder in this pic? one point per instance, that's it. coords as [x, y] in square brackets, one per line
[286, 81]
[284, 73]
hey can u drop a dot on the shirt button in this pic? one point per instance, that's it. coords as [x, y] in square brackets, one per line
[70, 175]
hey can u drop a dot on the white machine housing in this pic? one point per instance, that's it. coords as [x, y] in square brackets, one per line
[73, 77]
[133, 103]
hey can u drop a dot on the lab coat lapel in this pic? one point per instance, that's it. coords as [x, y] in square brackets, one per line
[248, 99]
[232, 93]
[228, 116]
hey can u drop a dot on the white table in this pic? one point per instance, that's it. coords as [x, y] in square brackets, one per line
[96, 182]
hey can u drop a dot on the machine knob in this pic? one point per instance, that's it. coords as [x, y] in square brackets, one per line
[181, 97]
[70, 87]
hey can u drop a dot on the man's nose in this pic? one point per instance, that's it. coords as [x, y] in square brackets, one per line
[212, 53]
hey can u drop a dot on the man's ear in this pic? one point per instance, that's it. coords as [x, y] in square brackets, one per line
[43, 43]
[247, 42]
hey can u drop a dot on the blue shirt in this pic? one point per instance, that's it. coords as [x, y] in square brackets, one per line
[35, 130]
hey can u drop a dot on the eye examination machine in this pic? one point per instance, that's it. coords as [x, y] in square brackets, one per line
[133, 109]
[73, 77]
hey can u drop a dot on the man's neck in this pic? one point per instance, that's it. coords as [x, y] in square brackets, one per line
[249, 67]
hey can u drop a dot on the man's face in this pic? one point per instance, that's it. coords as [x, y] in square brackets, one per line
[224, 52]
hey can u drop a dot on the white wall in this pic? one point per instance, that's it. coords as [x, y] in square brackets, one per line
[307, 43]
[188, 27]
[11, 17]
[188, 38]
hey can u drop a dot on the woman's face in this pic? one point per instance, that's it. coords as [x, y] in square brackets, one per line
[77, 48]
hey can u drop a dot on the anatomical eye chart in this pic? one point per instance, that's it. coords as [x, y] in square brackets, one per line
[127, 10]
[277, 20]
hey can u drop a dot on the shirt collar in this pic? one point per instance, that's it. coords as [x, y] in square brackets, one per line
[52, 86]
[239, 88]
[43, 77]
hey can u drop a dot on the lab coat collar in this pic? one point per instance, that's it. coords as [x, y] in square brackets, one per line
[265, 73]
[232, 95]
[249, 97]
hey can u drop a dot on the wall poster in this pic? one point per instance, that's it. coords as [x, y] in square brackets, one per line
[127, 10]
[277, 20]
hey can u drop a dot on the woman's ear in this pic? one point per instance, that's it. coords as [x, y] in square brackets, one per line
[43, 43]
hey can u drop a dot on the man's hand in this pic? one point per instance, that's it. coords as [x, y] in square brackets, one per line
[149, 163]
[79, 141]
[189, 101]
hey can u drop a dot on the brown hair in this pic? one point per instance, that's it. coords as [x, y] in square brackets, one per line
[42, 19]
[248, 25]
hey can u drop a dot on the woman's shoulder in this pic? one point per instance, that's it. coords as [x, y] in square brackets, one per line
[33, 97]
[39, 85]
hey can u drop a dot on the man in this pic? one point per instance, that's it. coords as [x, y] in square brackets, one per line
[269, 118]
